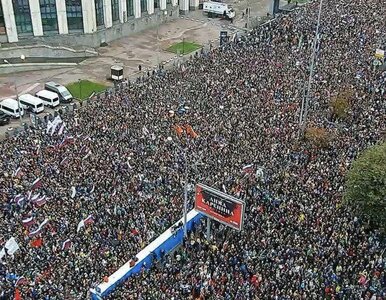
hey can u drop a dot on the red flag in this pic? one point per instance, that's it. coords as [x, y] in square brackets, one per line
[28, 222]
[89, 220]
[40, 201]
[17, 295]
[17, 173]
[21, 281]
[37, 243]
[179, 130]
[36, 184]
[66, 244]
[248, 168]
[191, 132]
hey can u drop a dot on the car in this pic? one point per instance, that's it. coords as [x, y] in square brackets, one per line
[4, 118]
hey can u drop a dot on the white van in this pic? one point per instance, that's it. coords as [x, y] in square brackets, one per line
[50, 99]
[32, 103]
[11, 108]
[64, 95]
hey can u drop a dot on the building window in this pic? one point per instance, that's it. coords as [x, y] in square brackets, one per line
[99, 13]
[22, 16]
[168, 1]
[156, 3]
[49, 15]
[74, 14]
[130, 8]
[143, 6]
[115, 9]
[2, 23]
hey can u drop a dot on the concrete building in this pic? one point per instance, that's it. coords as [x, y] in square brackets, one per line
[83, 22]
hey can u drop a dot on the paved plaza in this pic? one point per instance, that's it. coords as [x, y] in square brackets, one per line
[140, 49]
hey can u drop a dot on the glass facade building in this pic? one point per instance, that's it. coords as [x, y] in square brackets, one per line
[23, 19]
[143, 6]
[22, 16]
[74, 15]
[115, 10]
[49, 15]
[99, 13]
[2, 23]
[130, 8]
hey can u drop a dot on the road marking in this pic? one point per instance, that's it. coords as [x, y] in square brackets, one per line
[24, 91]
[30, 88]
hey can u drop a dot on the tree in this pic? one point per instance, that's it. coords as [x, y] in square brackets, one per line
[318, 137]
[366, 185]
[341, 104]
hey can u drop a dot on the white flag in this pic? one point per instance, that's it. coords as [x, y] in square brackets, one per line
[73, 192]
[145, 131]
[2, 253]
[55, 124]
[43, 223]
[11, 246]
[61, 128]
[80, 225]
[87, 155]
[49, 126]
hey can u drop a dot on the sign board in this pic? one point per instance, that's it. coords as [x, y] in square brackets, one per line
[11, 246]
[220, 206]
[379, 53]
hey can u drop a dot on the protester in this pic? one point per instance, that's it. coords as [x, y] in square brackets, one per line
[102, 182]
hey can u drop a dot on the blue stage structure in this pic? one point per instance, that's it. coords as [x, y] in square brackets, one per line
[167, 241]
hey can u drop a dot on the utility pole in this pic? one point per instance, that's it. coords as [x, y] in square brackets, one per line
[248, 15]
[186, 167]
[80, 89]
[158, 24]
[17, 93]
[306, 98]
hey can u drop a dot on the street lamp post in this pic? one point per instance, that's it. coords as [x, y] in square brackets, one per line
[306, 98]
[17, 94]
[185, 208]
[185, 195]
[158, 24]
[80, 89]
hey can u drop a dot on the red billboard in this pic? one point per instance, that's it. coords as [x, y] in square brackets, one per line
[220, 206]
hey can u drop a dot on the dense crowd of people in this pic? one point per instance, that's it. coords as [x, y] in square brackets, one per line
[85, 195]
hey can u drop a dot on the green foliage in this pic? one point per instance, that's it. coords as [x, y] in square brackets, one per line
[318, 137]
[366, 185]
[341, 104]
[184, 47]
[85, 87]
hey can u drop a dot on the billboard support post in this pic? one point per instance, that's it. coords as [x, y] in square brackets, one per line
[208, 228]
[185, 195]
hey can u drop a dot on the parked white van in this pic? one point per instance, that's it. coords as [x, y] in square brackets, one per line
[32, 103]
[64, 95]
[50, 99]
[11, 108]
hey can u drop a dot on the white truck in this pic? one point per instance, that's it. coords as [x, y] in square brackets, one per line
[219, 9]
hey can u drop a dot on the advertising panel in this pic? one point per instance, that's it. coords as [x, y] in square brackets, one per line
[220, 206]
